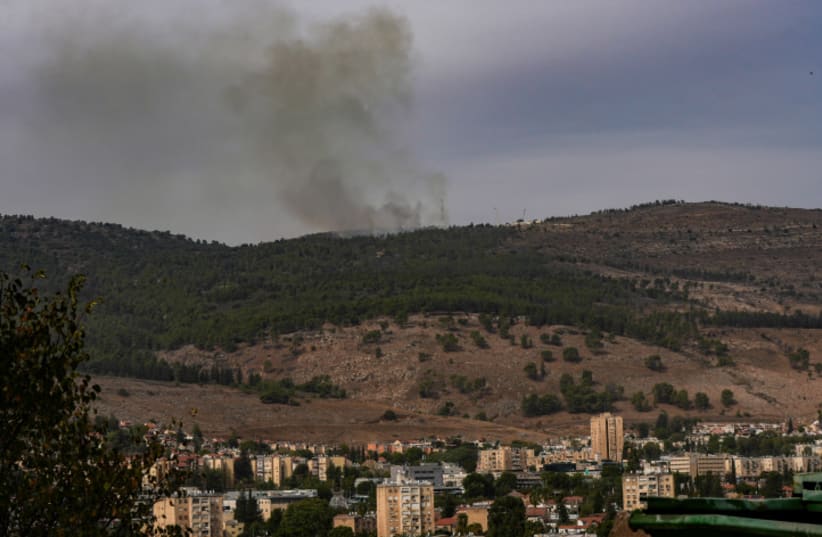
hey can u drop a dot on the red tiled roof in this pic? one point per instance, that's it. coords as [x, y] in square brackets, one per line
[593, 518]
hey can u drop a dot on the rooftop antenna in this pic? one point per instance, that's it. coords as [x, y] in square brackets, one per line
[442, 211]
[523, 215]
[496, 214]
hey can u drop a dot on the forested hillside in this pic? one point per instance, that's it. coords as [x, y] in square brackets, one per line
[161, 291]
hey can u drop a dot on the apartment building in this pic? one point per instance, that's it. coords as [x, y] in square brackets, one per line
[324, 462]
[607, 437]
[501, 459]
[636, 488]
[429, 472]
[695, 465]
[357, 523]
[223, 464]
[200, 513]
[273, 468]
[405, 509]
[453, 474]
[752, 467]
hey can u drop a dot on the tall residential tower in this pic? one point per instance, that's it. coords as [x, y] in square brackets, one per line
[607, 437]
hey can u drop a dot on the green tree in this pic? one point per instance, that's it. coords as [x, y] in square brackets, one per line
[534, 405]
[701, 401]
[478, 485]
[505, 483]
[662, 427]
[465, 455]
[533, 372]
[56, 475]
[654, 363]
[506, 517]
[663, 393]
[478, 340]
[413, 455]
[682, 401]
[640, 402]
[448, 342]
[447, 409]
[242, 467]
[643, 430]
[197, 434]
[307, 518]
[562, 513]
[449, 505]
[799, 359]
[709, 486]
[462, 524]
[771, 485]
[604, 529]
[341, 531]
[247, 511]
[533, 527]
[571, 354]
[593, 340]
[727, 398]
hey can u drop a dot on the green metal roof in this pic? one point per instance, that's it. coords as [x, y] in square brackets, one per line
[800, 515]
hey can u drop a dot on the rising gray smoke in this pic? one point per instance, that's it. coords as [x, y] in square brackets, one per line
[230, 119]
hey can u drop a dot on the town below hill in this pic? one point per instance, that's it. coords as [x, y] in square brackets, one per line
[573, 485]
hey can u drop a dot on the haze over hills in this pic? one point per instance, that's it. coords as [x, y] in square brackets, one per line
[466, 322]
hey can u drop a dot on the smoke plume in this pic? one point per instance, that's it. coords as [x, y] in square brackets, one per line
[246, 123]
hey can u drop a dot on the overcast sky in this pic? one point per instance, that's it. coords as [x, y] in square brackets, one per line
[250, 121]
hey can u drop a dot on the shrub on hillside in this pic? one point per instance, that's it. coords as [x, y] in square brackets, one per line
[571, 354]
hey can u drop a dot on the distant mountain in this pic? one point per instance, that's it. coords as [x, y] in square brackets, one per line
[665, 277]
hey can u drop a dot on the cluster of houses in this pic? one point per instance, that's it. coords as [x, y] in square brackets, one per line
[405, 493]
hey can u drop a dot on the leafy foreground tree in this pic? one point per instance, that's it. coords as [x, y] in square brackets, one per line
[506, 517]
[307, 518]
[58, 476]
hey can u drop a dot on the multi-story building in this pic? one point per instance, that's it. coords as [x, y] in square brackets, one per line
[607, 437]
[200, 513]
[284, 470]
[475, 515]
[501, 459]
[751, 467]
[359, 524]
[324, 462]
[430, 472]
[272, 468]
[264, 468]
[636, 488]
[405, 509]
[560, 454]
[223, 464]
[453, 474]
[712, 464]
[494, 460]
[695, 465]
[268, 501]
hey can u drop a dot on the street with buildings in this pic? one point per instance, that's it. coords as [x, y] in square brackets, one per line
[450, 486]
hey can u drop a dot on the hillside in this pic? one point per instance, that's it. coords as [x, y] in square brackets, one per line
[722, 293]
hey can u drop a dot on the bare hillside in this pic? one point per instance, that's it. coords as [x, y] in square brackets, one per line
[722, 293]
[763, 383]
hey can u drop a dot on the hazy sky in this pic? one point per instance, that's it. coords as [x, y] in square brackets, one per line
[251, 121]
